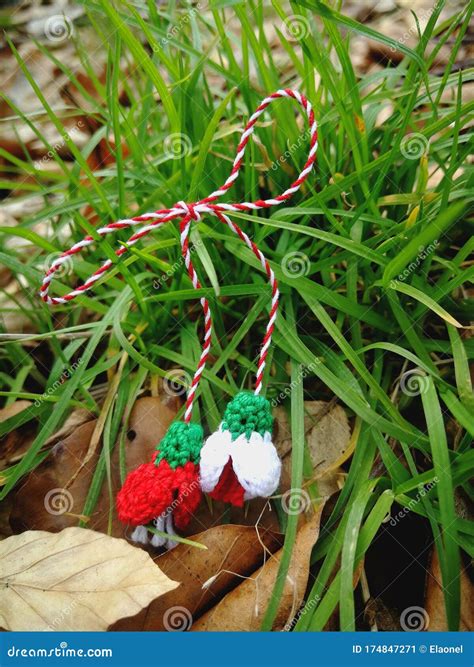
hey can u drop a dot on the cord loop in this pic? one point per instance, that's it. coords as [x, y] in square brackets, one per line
[188, 212]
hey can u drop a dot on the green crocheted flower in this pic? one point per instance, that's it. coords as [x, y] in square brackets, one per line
[247, 412]
[182, 443]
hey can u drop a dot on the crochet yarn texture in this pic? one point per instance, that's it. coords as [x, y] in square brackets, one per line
[247, 412]
[165, 491]
[239, 461]
[182, 443]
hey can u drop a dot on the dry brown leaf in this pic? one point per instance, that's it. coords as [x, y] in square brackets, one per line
[148, 423]
[244, 607]
[238, 549]
[74, 420]
[74, 580]
[434, 600]
[328, 437]
[16, 442]
[13, 409]
[209, 515]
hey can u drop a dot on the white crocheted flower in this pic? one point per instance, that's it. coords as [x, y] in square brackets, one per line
[243, 439]
[214, 456]
[256, 464]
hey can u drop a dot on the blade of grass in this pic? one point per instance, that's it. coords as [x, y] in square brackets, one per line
[447, 549]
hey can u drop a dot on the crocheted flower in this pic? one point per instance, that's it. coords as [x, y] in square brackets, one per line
[143, 495]
[239, 461]
[167, 488]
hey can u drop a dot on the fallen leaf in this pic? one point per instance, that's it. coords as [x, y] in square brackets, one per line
[243, 608]
[5, 510]
[210, 514]
[232, 552]
[17, 441]
[148, 423]
[74, 420]
[74, 580]
[434, 599]
[13, 409]
[328, 437]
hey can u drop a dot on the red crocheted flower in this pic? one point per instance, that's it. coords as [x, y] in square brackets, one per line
[228, 488]
[188, 494]
[152, 490]
[144, 495]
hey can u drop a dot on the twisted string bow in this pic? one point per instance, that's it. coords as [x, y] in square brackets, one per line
[238, 461]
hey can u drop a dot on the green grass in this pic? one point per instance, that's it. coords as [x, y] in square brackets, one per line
[369, 308]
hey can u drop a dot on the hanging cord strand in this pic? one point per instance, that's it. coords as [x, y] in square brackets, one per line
[267, 340]
[185, 228]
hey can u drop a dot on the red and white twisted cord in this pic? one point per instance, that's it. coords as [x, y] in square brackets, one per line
[185, 228]
[193, 211]
[267, 340]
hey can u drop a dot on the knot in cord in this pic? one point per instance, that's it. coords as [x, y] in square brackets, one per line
[189, 210]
